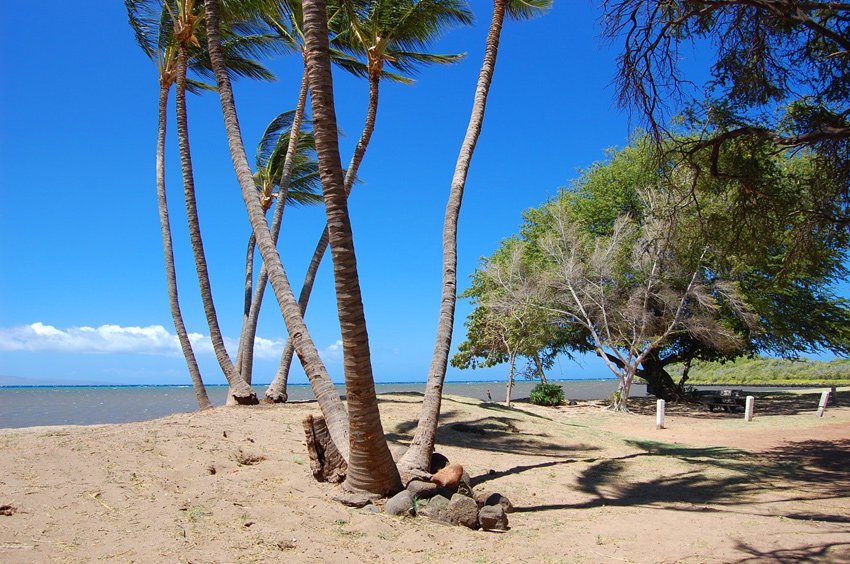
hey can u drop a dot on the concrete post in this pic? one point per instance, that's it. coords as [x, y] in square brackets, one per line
[748, 410]
[659, 414]
[824, 399]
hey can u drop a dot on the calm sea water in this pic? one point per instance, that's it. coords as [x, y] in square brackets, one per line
[88, 405]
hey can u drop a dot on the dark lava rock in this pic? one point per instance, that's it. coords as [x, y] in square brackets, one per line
[462, 510]
[493, 518]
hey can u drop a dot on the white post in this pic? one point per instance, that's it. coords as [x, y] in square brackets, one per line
[748, 410]
[824, 399]
[659, 414]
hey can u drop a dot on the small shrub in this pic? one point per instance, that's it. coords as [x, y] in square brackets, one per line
[547, 394]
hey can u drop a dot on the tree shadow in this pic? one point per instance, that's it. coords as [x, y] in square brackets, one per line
[720, 478]
[831, 552]
[766, 403]
[498, 433]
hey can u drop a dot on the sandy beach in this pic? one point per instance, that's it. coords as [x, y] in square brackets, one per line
[588, 485]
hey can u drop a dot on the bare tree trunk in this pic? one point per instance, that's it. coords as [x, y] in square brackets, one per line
[510, 386]
[246, 347]
[621, 397]
[323, 388]
[370, 464]
[239, 391]
[539, 365]
[418, 456]
[168, 252]
[276, 391]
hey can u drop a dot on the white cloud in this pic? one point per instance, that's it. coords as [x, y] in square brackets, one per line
[333, 353]
[154, 339]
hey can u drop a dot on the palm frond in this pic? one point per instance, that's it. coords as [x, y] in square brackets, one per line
[527, 9]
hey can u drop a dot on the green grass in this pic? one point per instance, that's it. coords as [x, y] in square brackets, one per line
[770, 371]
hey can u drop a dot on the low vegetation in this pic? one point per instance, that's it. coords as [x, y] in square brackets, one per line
[769, 371]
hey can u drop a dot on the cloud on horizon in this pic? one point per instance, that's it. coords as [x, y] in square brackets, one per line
[115, 339]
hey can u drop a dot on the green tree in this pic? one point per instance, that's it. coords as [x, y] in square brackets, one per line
[418, 455]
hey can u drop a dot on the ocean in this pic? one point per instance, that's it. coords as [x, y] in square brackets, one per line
[90, 405]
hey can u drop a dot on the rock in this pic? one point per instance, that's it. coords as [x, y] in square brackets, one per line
[8, 510]
[400, 504]
[244, 458]
[448, 477]
[493, 518]
[422, 489]
[434, 508]
[572, 402]
[464, 487]
[499, 499]
[352, 499]
[370, 509]
[462, 510]
[438, 462]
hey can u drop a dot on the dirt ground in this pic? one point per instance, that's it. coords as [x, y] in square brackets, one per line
[588, 485]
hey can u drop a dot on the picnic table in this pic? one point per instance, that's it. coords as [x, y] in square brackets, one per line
[730, 401]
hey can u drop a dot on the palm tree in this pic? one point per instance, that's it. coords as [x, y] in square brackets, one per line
[154, 35]
[370, 464]
[286, 161]
[187, 24]
[377, 32]
[332, 407]
[418, 455]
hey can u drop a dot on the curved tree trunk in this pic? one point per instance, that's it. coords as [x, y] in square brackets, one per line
[659, 383]
[239, 391]
[248, 296]
[539, 365]
[168, 252]
[246, 347]
[370, 464]
[329, 400]
[418, 456]
[276, 391]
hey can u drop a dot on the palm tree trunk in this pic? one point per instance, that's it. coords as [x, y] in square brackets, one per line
[370, 464]
[323, 388]
[168, 251]
[246, 348]
[239, 391]
[247, 297]
[418, 456]
[276, 391]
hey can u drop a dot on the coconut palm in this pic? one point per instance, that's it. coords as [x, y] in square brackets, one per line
[395, 33]
[370, 464]
[332, 408]
[418, 455]
[153, 32]
[152, 22]
[187, 17]
[291, 168]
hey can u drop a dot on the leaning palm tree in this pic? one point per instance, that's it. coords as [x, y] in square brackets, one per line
[332, 407]
[286, 171]
[370, 464]
[187, 17]
[418, 455]
[395, 33]
[155, 35]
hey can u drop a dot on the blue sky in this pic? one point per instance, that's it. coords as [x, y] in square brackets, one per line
[82, 289]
